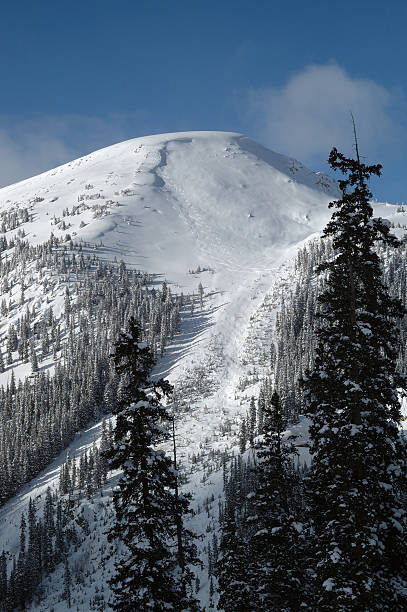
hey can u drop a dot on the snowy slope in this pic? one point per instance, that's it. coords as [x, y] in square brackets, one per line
[171, 204]
[206, 196]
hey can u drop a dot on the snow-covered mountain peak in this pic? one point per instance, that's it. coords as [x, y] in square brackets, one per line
[218, 196]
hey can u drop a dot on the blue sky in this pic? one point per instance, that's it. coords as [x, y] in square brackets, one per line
[77, 76]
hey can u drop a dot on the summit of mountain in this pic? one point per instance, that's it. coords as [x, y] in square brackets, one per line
[169, 201]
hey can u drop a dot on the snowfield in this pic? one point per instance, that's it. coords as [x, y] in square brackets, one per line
[196, 207]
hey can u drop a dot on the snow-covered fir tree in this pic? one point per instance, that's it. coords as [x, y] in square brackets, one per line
[148, 576]
[274, 529]
[359, 462]
[236, 591]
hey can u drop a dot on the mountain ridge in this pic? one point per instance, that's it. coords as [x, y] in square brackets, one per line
[154, 174]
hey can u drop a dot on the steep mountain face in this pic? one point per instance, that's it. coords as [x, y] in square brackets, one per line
[217, 216]
[157, 202]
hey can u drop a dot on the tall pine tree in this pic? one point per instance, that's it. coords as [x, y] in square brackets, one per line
[359, 459]
[148, 577]
[237, 594]
[275, 531]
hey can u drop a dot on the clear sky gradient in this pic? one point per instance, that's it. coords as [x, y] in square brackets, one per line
[76, 76]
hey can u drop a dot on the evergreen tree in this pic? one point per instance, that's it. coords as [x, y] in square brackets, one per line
[12, 595]
[33, 357]
[67, 584]
[22, 534]
[104, 448]
[359, 460]
[148, 577]
[275, 541]
[236, 591]
[252, 420]
[243, 436]
[3, 582]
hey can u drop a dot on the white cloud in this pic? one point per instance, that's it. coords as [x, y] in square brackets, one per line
[310, 114]
[24, 157]
[31, 146]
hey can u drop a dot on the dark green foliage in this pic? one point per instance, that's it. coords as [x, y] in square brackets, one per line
[359, 459]
[236, 592]
[252, 419]
[44, 541]
[67, 584]
[3, 582]
[243, 435]
[274, 529]
[148, 576]
[263, 540]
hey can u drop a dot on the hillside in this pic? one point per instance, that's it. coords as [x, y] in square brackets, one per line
[197, 208]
